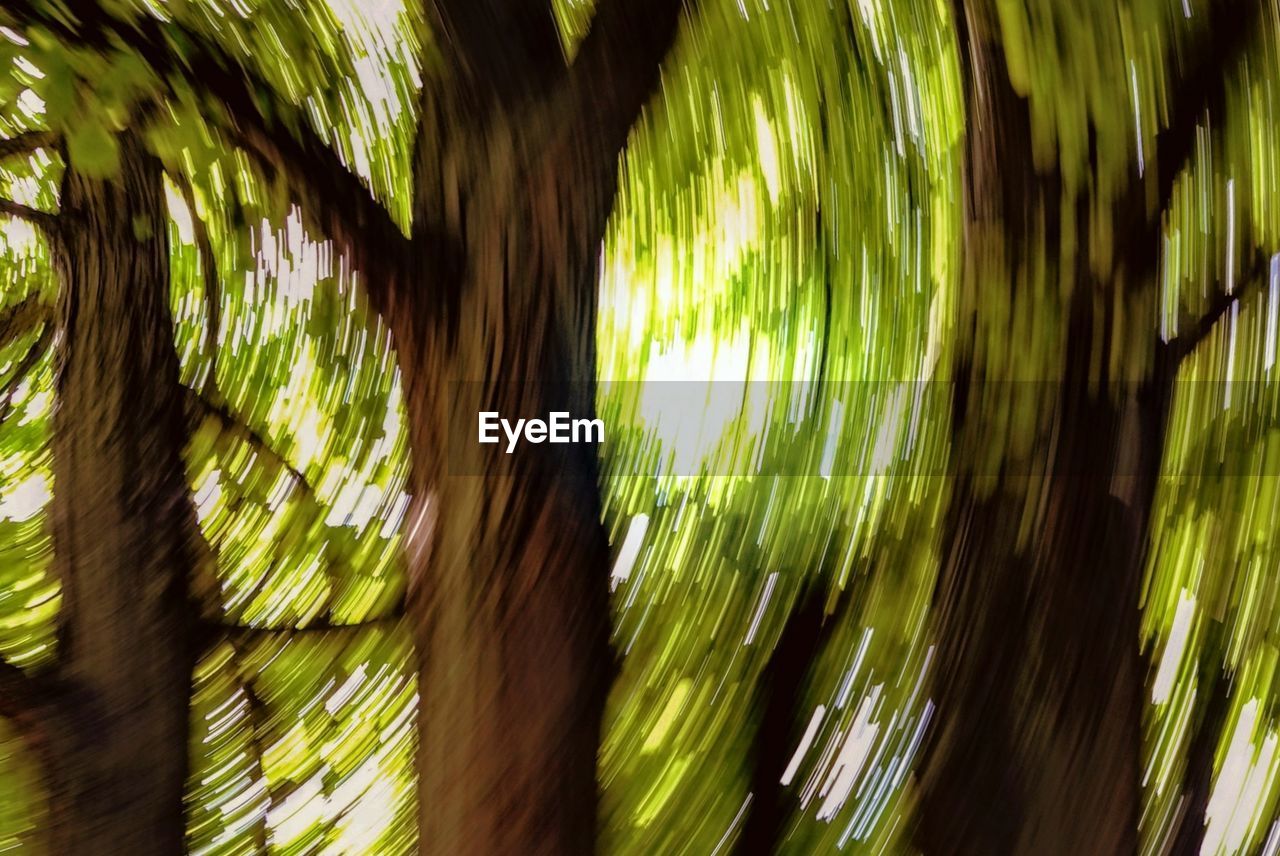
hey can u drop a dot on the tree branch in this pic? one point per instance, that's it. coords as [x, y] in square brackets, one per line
[1197, 781]
[43, 219]
[257, 723]
[617, 66]
[1185, 343]
[805, 635]
[208, 404]
[205, 404]
[1199, 91]
[214, 629]
[27, 143]
[20, 693]
[22, 317]
[1202, 88]
[337, 202]
[24, 367]
[200, 406]
[508, 48]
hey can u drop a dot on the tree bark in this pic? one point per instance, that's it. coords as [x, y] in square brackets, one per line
[122, 521]
[508, 592]
[510, 617]
[1039, 673]
[1187, 831]
[508, 557]
[515, 176]
[778, 696]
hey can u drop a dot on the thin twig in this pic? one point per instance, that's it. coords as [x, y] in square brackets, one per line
[1185, 343]
[200, 406]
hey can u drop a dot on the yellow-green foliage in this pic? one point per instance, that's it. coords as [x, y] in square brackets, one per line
[790, 209]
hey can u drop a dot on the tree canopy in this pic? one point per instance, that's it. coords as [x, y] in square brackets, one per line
[792, 248]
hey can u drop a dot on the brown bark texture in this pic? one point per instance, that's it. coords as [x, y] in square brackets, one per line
[122, 522]
[515, 174]
[1039, 676]
[508, 556]
[493, 308]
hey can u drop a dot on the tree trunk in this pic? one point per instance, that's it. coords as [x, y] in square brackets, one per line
[779, 695]
[1039, 671]
[1040, 676]
[508, 556]
[122, 521]
[1187, 831]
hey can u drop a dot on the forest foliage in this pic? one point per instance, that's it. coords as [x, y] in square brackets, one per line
[790, 210]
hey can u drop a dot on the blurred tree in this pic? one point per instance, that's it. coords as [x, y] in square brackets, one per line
[106, 710]
[109, 719]
[1061, 415]
[516, 153]
[123, 522]
[1040, 676]
[514, 180]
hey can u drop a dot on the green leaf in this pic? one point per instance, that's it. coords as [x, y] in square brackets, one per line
[143, 228]
[93, 150]
[57, 88]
